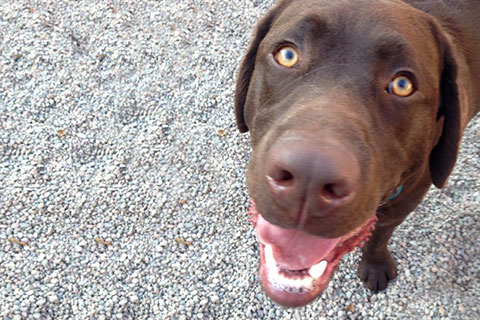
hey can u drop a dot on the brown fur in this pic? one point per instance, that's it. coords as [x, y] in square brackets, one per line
[349, 50]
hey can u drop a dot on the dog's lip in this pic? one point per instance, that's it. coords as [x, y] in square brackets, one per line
[334, 247]
[299, 295]
[294, 249]
[288, 298]
[294, 297]
[285, 297]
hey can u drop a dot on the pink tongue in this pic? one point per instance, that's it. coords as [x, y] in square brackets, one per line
[294, 249]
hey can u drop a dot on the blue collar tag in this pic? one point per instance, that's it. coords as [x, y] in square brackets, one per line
[396, 193]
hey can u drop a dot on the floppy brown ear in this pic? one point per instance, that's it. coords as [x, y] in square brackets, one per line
[248, 64]
[444, 154]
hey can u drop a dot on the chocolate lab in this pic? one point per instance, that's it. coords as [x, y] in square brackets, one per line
[354, 109]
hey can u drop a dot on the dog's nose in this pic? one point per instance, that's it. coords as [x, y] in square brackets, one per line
[302, 173]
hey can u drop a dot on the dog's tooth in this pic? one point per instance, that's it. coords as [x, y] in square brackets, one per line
[304, 282]
[282, 282]
[269, 259]
[316, 271]
[307, 282]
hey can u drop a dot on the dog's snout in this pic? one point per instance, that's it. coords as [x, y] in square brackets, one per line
[302, 172]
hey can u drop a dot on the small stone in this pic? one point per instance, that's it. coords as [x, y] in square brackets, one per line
[133, 297]
[271, 313]
[215, 299]
[41, 302]
[350, 308]
[441, 310]
[52, 297]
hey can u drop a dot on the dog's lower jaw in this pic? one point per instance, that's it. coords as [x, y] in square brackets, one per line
[295, 288]
[292, 290]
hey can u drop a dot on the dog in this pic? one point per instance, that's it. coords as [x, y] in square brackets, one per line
[354, 109]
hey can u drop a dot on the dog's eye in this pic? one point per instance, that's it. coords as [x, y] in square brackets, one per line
[287, 57]
[401, 86]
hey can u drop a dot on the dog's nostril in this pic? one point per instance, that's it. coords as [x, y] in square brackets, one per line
[282, 178]
[329, 191]
[334, 191]
[285, 176]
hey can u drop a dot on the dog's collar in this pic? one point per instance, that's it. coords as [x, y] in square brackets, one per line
[393, 195]
[396, 192]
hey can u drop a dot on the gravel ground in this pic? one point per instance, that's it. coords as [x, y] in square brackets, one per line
[122, 190]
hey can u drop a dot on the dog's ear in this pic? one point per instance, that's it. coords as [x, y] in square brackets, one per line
[248, 64]
[444, 154]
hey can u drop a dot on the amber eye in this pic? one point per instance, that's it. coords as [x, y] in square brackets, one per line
[401, 86]
[287, 57]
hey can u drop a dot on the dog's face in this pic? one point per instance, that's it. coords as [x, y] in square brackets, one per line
[345, 101]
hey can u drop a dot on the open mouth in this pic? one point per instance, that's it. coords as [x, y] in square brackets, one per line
[294, 285]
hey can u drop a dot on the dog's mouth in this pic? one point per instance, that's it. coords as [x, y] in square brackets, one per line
[295, 285]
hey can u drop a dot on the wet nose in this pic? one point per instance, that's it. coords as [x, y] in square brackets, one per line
[299, 171]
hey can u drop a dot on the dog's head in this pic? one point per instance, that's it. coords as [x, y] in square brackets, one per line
[345, 101]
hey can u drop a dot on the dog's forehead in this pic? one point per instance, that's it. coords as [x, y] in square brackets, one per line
[352, 17]
[383, 28]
